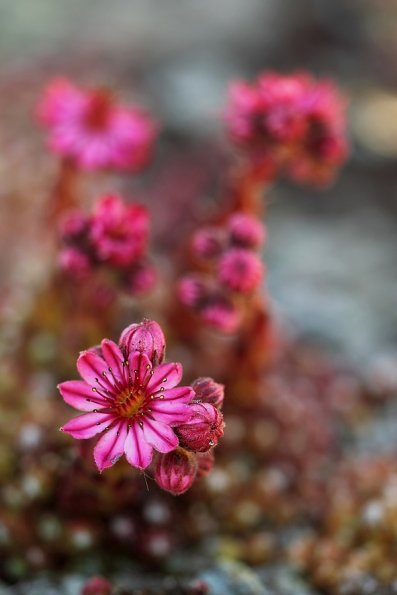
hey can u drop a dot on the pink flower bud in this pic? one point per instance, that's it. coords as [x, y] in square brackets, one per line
[205, 461]
[207, 242]
[75, 263]
[97, 585]
[176, 471]
[208, 391]
[246, 231]
[146, 337]
[191, 290]
[203, 429]
[142, 279]
[74, 223]
[240, 270]
[221, 313]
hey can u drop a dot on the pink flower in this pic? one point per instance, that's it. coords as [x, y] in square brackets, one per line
[73, 225]
[246, 231]
[141, 279]
[240, 270]
[220, 313]
[75, 263]
[134, 402]
[208, 242]
[202, 430]
[89, 127]
[292, 121]
[146, 337]
[119, 231]
[208, 391]
[191, 290]
[176, 471]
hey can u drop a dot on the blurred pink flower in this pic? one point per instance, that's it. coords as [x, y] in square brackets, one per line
[294, 121]
[246, 231]
[75, 263]
[133, 401]
[89, 127]
[221, 313]
[240, 270]
[118, 231]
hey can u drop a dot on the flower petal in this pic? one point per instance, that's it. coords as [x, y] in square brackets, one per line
[79, 394]
[137, 451]
[165, 376]
[113, 356]
[91, 367]
[110, 447]
[87, 425]
[140, 367]
[170, 412]
[159, 435]
[183, 394]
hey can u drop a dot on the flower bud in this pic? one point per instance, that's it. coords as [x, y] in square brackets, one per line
[176, 471]
[75, 263]
[191, 290]
[209, 391]
[97, 585]
[205, 461]
[146, 337]
[207, 242]
[240, 270]
[221, 314]
[203, 429]
[246, 231]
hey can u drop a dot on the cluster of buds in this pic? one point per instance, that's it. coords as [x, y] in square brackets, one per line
[92, 130]
[292, 123]
[113, 236]
[231, 270]
[131, 395]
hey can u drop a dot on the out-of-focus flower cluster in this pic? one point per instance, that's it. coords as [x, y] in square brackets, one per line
[230, 271]
[289, 123]
[113, 237]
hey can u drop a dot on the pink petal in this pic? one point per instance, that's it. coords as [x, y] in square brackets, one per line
[160, 436]
[87, 425]
[137, 451]
[110, 447]
[183, 394]
[113, 356]
[91, 367]
[140, 367]
[170, 413]
[79, 395]
[165, 376]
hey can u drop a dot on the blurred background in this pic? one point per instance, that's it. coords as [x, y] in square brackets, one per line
[331, 254]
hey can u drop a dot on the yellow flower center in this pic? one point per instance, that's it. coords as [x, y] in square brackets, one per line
[129, 402]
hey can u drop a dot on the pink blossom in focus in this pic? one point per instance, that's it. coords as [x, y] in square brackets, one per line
[134, 404]
[240, 270]
[202, 430]
[246, 231]
[119, 231]
[176, 471]
[89, 127]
